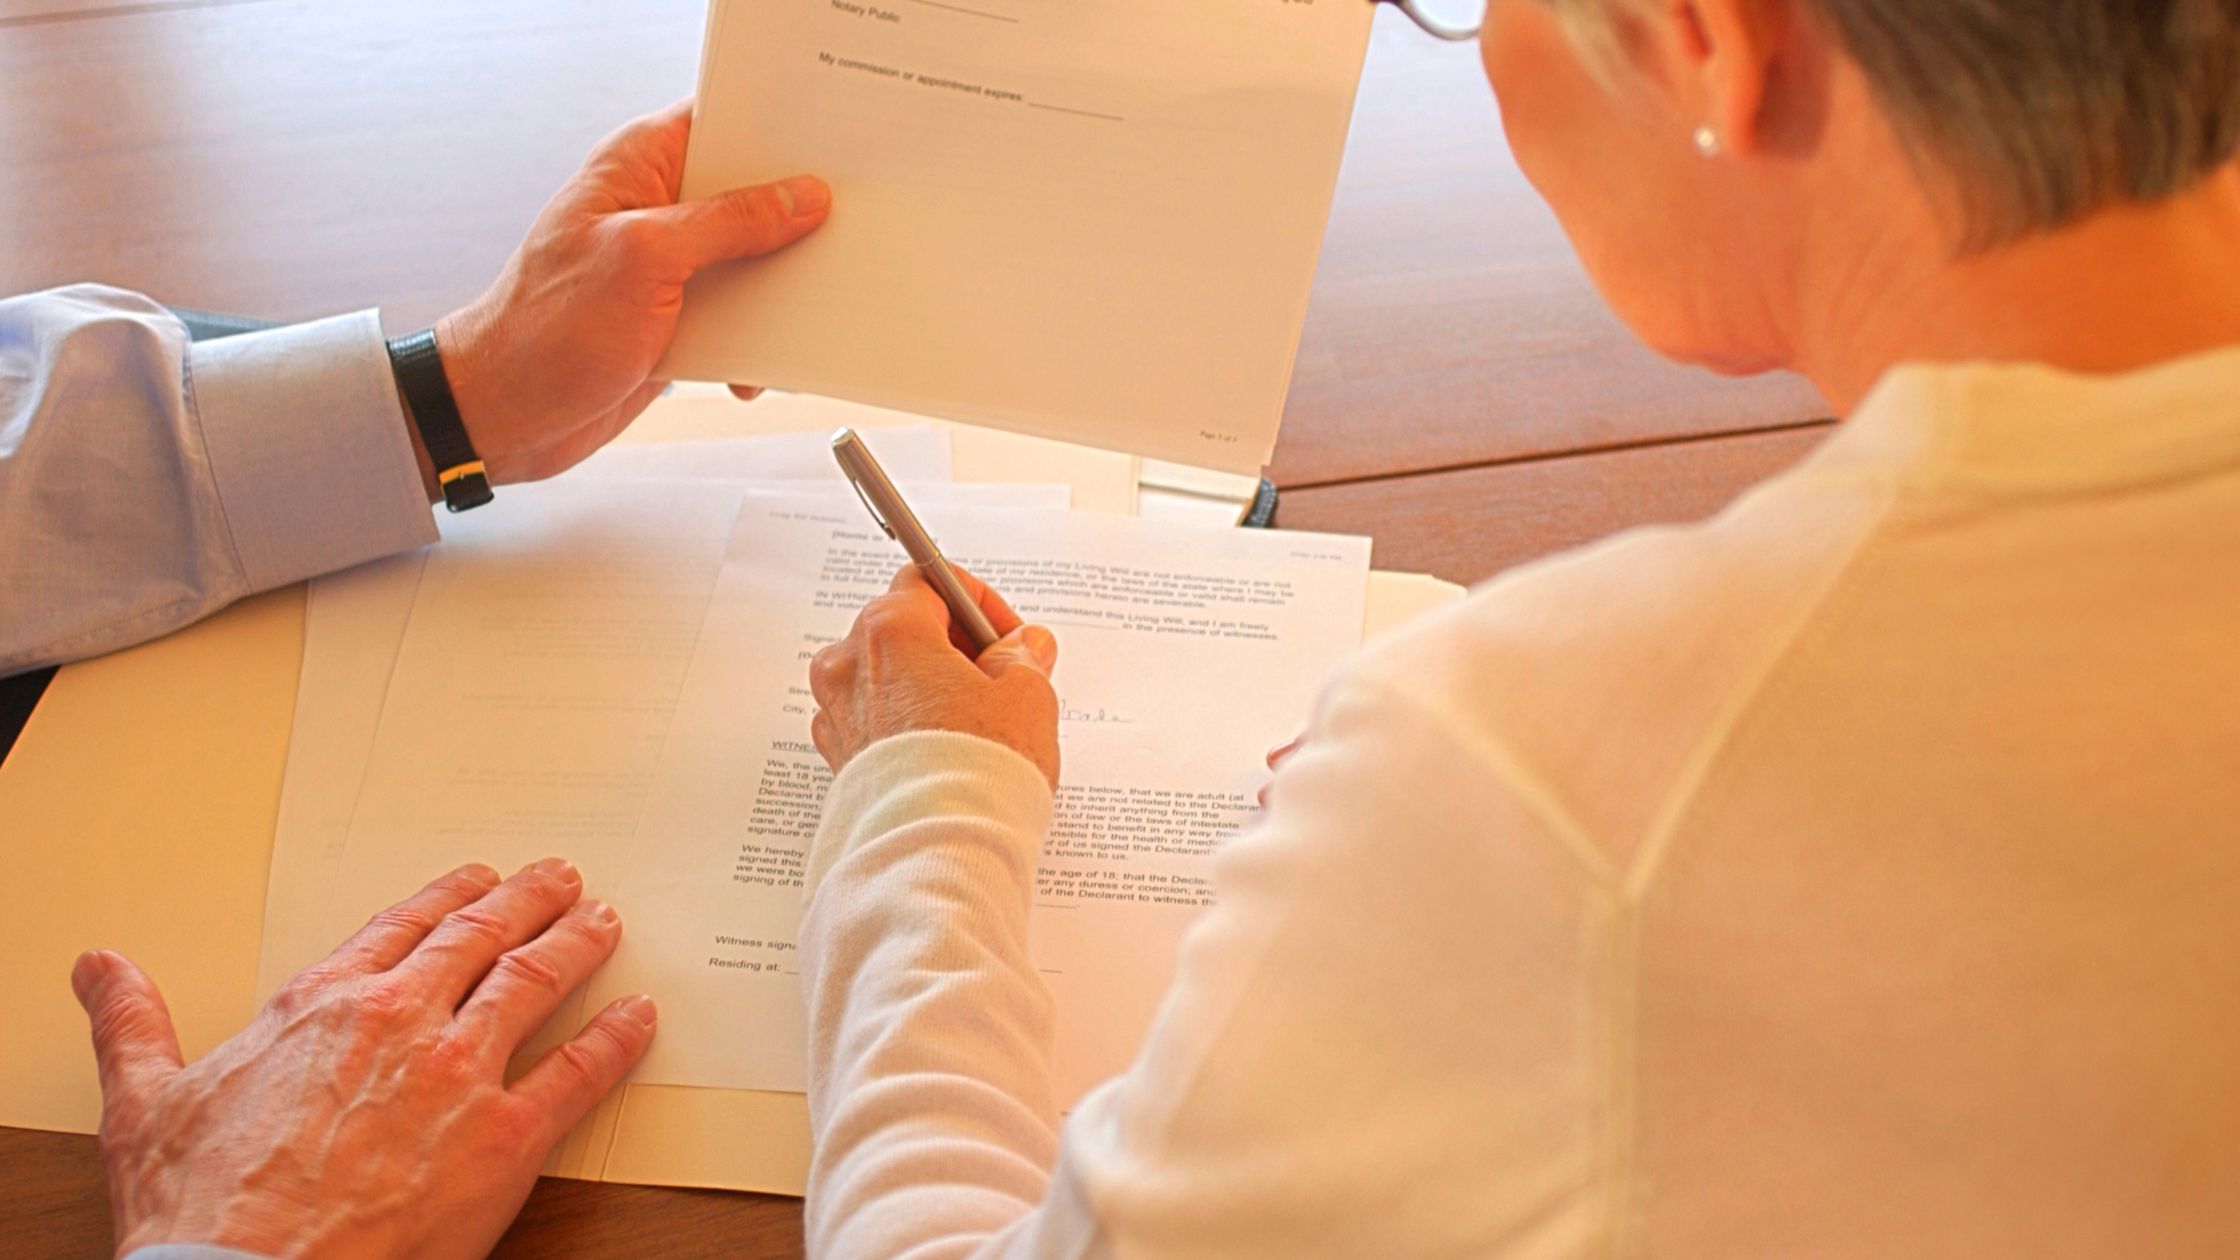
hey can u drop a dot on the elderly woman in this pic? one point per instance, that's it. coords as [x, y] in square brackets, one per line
[1852, 875]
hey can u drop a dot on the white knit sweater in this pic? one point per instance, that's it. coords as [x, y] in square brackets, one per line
[1856, 875]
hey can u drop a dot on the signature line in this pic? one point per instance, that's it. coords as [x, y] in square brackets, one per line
[958, 8]
[1085, 113]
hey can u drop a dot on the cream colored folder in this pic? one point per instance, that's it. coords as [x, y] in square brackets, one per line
[137, 814]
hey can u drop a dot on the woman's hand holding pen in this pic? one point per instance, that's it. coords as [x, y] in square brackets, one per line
[905, 668]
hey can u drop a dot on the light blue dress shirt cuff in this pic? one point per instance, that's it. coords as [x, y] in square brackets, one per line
[307, 444]
[189, 1251]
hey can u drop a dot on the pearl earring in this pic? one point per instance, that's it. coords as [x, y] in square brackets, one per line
[1707, 141]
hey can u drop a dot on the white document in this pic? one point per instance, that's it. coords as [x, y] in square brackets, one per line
[352, 624]
[532, 689]
[533, 684]
[733, 1139]
[1095, 221]
[355, 621]
[1185, 655]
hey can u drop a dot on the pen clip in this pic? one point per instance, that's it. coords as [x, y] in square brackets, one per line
[857, 486]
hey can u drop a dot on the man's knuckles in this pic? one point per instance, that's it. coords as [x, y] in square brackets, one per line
[407, 919]
[380, 1006]
[528, 972]
[478, 927]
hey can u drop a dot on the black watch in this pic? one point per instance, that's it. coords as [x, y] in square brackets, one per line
[427, 396]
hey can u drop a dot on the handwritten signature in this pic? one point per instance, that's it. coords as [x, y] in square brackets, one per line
[1092, 717]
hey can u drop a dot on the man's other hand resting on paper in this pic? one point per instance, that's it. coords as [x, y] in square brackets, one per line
[365, 1111]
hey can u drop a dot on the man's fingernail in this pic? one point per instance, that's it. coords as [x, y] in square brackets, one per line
[480, 874]
[804, 195]
[559, 868]
[639, 1008]
[87, 972]
[599, 912]
[1044, 645]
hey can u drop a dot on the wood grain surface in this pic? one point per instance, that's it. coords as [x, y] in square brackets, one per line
[48, 12]
[1469, 525]
[54, 1206]
[1461, 393]
[296, 158]
[1451, 323]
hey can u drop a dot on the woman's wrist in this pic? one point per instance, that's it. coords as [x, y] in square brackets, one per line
[921, 775]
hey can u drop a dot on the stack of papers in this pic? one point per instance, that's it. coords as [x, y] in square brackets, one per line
[616, 671]
[612, 668]
[1042, 213]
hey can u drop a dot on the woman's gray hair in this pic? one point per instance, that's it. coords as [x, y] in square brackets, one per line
[2042, 111]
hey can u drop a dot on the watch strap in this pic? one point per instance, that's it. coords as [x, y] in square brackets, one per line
[418, 365]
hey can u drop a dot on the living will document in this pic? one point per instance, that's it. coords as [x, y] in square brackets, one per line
[1185, 655]
[355, 621]
[534, 678]
[1039, 209]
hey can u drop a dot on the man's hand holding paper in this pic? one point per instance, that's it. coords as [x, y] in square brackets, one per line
[248, 462]
[560, 354]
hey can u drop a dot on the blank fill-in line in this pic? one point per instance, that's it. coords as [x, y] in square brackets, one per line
[1085, 113]
[958, 8]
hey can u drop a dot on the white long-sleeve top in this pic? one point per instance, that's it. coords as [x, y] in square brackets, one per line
[1855, 875]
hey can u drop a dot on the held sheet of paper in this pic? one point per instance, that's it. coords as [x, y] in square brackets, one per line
[1185, 655]
[1037, 208]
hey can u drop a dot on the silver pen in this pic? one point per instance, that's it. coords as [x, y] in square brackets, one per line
[894, 516]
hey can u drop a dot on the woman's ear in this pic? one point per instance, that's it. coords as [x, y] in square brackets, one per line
[1721, 59]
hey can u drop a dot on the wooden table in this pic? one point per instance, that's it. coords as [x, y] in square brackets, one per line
[1461, 395]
